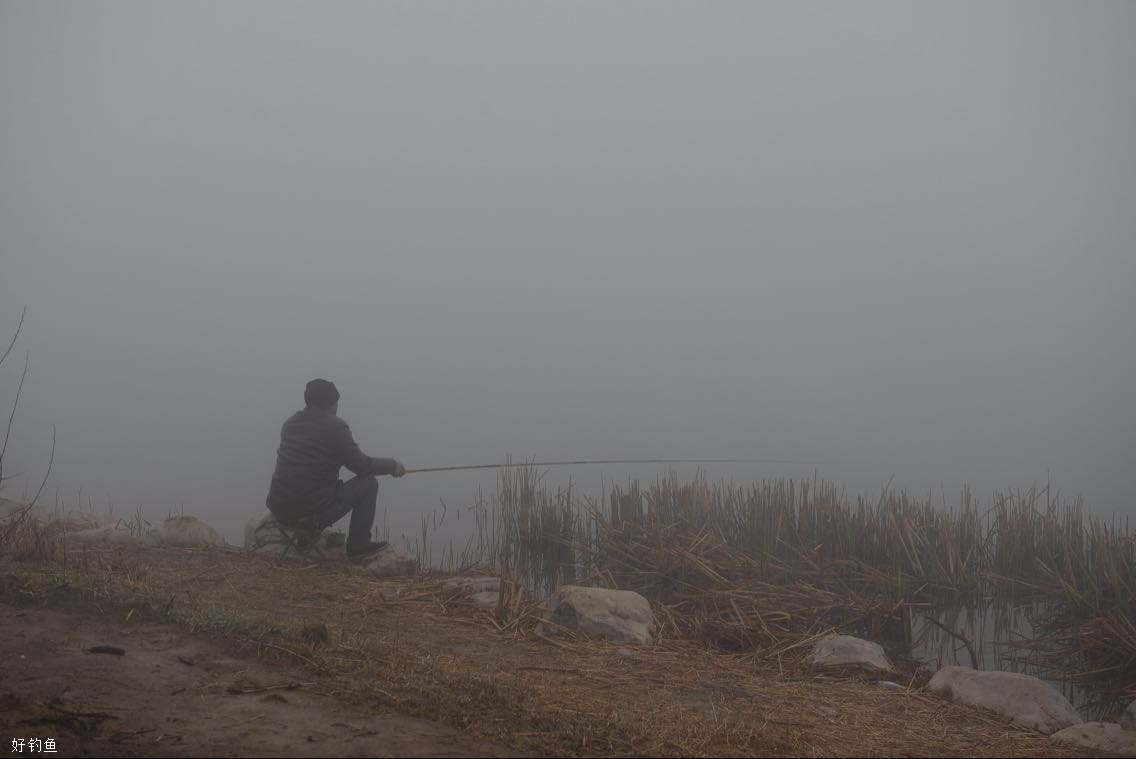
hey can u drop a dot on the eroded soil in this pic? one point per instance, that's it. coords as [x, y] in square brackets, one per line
[175, 694]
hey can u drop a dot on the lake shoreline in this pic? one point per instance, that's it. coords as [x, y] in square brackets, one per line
[406, 646]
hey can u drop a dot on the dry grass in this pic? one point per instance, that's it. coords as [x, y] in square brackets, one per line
[416, 647]
[769, 565]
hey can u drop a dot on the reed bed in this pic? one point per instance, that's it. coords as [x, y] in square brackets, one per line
[768, 566]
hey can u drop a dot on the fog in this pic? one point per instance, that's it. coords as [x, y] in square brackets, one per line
[878, 239]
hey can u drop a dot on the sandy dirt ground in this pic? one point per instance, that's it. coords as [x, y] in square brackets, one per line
[174, 694]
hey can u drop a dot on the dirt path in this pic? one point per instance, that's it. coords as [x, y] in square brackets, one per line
[174, 694]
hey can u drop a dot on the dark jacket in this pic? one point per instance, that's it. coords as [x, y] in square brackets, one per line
[314, 444]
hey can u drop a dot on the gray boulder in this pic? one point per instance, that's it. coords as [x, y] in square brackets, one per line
[619, 615]
[184, 532]
[1128, 717]
[392, 562]
[844, 652]
[1098, 736]
[1024, 699]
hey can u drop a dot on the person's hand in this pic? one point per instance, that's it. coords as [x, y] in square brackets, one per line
[399, 469]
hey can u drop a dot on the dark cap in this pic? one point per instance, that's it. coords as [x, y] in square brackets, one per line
[321, 392]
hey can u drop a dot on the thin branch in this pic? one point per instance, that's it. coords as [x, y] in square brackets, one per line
[958, 636]
[50, 464]
[24, 512]
[15, 336]
[11, 416]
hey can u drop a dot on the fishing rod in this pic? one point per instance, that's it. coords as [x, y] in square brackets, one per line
[604, 461]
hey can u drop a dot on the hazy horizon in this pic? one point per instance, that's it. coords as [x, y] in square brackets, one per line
[884, 239]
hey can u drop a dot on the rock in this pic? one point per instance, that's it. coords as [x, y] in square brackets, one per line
[392, 562]
[619, 615]
[841, 652]
[1128, 717]
[109, 533]
[889, 685]
[483, 591]
[1024, 699]
[486, 599]
[187, 532]
[1099, 736]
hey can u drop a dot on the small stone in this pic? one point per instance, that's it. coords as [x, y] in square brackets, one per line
[840, 652]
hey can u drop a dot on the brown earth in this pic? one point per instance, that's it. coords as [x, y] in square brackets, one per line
[176, 694]
[392, 652]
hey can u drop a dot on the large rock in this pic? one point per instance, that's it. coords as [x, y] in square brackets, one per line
[1099, 736]
[618, 615]
[844, 652]
[1024, 699]
[186, 532]
[1128, 718]
[392, 562]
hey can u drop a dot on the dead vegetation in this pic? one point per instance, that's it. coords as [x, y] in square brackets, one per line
[417, 647]
[768, 566]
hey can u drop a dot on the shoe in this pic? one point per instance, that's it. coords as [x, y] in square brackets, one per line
[365, 551]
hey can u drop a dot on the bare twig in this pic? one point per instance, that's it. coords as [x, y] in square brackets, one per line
[50, 464]
[12, 414]
[15, 335]
[974, 662]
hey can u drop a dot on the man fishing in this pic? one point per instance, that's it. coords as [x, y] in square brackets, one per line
[306, 493]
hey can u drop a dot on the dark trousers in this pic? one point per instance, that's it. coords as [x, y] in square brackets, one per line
[358, 496]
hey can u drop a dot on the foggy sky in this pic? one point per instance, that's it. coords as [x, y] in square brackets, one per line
[881, 238]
